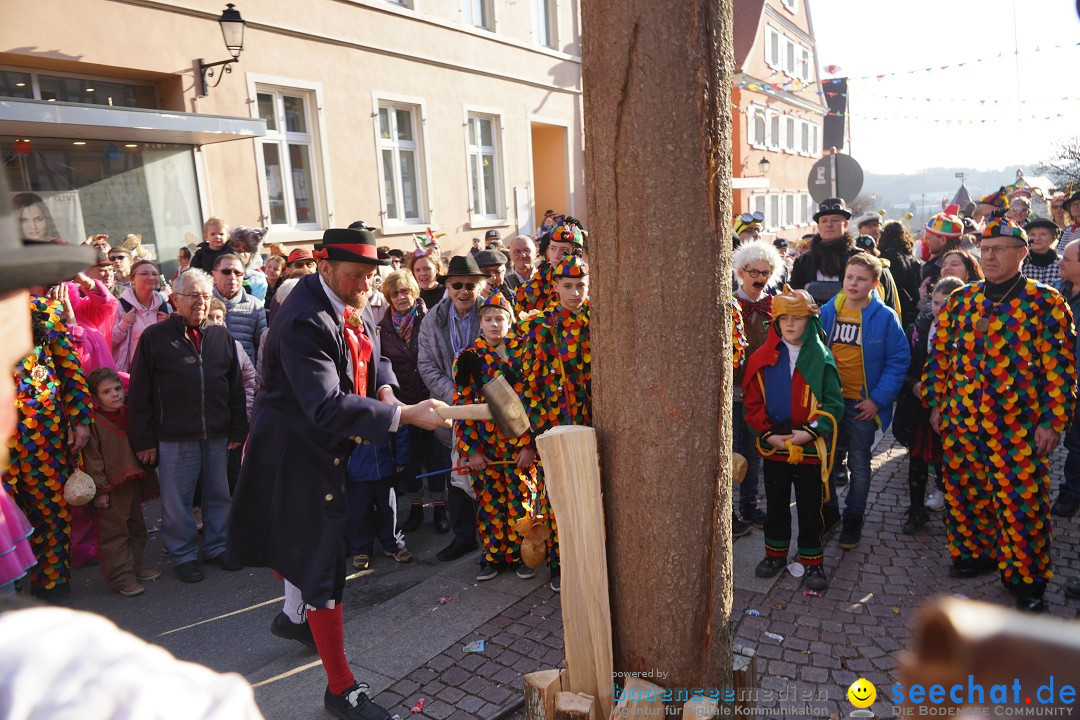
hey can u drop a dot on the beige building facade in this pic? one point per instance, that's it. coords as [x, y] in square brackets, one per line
[458, 115]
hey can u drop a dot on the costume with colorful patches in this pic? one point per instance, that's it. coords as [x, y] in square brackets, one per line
[502, 490]
[997, 372]
[51, 396]
[789, 388]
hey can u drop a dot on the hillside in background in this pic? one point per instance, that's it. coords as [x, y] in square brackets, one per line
[898, 192]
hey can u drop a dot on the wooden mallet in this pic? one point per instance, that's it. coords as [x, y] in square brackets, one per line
[503, 406]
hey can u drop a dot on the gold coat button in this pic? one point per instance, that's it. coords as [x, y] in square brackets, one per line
[358, 439]
[337, 461]
[329, 497]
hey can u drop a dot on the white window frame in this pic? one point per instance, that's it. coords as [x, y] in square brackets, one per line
[498, 218]
[792, 6]
[773, 216]
[758, 202]
[772, 39]
[789, 57]
[790, 124]
[321, 191]
[806, 55]
[789, 210]
[815, 140]
[550, 9]
[774, 137]
[804, 138]
[757, 111]
[468, 10]
[805, 207]
[423, 170]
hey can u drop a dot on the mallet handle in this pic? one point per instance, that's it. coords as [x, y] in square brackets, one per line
[465, 412]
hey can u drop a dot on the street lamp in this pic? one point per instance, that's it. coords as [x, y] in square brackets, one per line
[763, 165]
[232, 29]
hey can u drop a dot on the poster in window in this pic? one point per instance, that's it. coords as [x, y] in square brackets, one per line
[49, 216]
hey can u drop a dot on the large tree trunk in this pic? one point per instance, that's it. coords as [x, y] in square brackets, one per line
[657, 96]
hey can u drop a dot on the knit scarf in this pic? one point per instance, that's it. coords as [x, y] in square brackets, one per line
[403, 322]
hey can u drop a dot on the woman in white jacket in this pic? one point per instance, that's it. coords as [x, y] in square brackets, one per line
[141, 306]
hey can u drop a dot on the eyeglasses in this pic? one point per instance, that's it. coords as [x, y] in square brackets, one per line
[1057, 207]
[995, 249]
[195, 297]
[238, 273]
[757, 273]
[468, 286]
[401, 292]
[756, 216]
[301, 263]
[117, 258]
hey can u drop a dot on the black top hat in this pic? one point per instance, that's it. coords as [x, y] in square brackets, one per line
[462, 266]
[30, 264]
[348, 246]
[490, 258]
[832, 206]
[1043, 223]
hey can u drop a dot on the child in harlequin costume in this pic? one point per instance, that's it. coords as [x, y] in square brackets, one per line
[539, 293]
[51, 400]
[503, 471]
[792, 399]
[1000, 382]
[554, 355]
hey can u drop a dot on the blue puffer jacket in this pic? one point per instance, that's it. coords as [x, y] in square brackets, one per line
[370, 462]
[885, 352]
[246, 320]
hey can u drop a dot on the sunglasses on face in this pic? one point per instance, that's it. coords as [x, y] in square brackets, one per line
[1057, 207]
[237, 273]
[756, 216]
[468, 286]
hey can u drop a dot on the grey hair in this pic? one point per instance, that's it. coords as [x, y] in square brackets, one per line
[191, 279]
[759, 250]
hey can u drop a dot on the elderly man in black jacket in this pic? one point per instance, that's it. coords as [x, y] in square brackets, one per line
[187, 410]
[325, 389]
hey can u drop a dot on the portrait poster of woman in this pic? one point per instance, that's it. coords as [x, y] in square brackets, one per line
[54, 217]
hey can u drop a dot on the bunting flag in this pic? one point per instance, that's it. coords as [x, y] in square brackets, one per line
[954, 66]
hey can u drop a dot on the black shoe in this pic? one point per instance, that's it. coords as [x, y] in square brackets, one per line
[830, 519]
[841, 478]
[852, 532]
[755, 516]
[453, 551]
[1072, 590]
[916, 519]
[815, 578]
[739, 527]
[442, 523]
[189, 572]
[488, 571]
[556, 580]
[770, 566]
[1029, 598]
[415, 518]
[354, 704]
[222, 563]
[285, 628]
[972, 567]
[1065, 506]
[525, 572]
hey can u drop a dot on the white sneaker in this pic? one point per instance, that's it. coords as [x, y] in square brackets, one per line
[936, 501]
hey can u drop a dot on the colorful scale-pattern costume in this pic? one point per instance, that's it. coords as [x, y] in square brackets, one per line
[997, 372]
[538, 294]
[738, 336]
[51, 395]
[502, 491]
[554, 357]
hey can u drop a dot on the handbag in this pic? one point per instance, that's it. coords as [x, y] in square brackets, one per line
[79, 488]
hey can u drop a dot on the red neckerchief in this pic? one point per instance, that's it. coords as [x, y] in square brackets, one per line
[360, 347]
[195, 335]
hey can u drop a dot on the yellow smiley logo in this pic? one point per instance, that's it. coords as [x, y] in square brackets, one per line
[862, 693]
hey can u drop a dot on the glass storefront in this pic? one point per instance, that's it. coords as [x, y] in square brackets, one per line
[99, 186]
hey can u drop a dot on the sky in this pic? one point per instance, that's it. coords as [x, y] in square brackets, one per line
[893, 122]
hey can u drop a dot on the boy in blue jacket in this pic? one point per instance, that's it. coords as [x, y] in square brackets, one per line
[372, 502]
[872, 355]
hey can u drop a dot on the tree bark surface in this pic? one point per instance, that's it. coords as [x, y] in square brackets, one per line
[657, 110]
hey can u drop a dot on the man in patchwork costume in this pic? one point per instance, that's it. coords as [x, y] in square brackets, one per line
[1000, 382]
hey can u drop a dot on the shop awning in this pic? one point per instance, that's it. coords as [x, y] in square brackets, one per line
[37, 118]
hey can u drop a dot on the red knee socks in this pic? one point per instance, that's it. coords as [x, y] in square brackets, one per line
[328, 631]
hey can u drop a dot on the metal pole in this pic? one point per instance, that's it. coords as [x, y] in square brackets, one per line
[832, 161]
